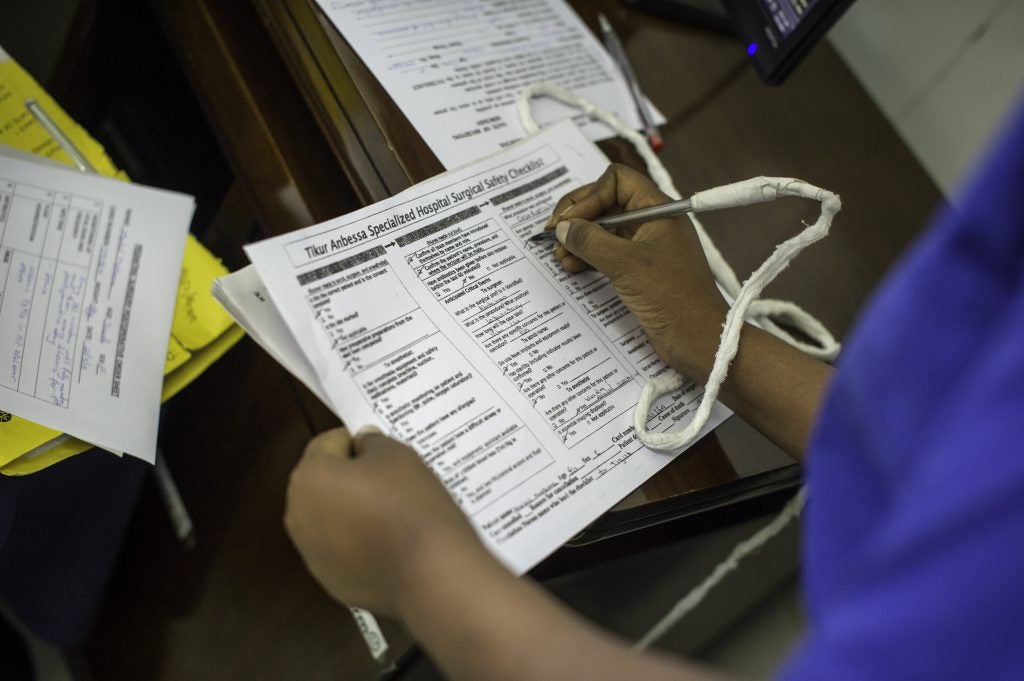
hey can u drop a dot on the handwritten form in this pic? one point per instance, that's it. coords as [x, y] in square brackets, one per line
[431, 316]
[456, 67]
[88, 278]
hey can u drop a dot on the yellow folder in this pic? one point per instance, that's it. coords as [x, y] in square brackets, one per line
[201, 331]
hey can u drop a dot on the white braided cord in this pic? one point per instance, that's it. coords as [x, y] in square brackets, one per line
[747, 305]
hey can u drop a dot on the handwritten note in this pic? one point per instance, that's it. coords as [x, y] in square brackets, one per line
[198, 319]
[88, 277]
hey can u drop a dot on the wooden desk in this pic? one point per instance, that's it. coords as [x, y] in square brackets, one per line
[311, 134]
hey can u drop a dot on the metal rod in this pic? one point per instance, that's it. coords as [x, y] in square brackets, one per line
[59, 137]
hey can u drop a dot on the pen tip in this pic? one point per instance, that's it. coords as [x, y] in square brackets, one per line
[657, 143]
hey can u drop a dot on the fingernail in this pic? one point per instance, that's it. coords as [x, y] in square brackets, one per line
[554, 218]
[368, 430]
[562, 230]
[565, 213]
[360, 436]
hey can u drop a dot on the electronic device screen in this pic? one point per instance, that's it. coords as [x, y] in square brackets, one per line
[776, 34]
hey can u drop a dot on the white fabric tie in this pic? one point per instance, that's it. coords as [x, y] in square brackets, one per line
[747, 305]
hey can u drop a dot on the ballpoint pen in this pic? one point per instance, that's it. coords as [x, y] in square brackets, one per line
[62, 140]
[628, 218]
[614, 46]
[744, 193]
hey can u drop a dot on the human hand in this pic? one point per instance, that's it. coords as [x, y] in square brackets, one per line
[658, 268]
[363, 511]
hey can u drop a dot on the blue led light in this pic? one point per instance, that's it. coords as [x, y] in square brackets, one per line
[751, 49]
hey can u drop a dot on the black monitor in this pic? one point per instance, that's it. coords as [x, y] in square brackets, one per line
[776, 34]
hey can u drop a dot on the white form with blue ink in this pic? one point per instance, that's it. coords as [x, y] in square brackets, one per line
[89, 270]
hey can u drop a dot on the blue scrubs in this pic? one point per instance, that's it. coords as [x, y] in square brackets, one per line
[914, 553]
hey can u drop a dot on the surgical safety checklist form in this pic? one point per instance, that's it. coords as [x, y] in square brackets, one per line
[430, 315]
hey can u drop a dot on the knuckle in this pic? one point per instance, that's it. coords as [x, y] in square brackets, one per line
[618, 168]
[651, 195]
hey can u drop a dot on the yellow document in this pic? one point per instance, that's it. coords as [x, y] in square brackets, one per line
[19, 129]
[199, 362]
[58, 449]
[198, 318]
[201, 331]
[18, 436]
[177, 356]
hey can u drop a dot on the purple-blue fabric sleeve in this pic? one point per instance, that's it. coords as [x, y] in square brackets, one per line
[914, 531]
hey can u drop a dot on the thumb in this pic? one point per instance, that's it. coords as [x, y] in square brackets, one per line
[604, 251]
[333, 443]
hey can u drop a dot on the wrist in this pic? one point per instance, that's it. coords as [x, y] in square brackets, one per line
[696, 342]
[438, 568]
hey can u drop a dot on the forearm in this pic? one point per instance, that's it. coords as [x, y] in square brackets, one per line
[770, 384]
[477, 622]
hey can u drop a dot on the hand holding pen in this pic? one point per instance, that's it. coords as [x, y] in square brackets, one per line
[650, 208]
[658, 267]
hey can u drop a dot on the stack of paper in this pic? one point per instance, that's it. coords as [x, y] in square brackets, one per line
[431, 316]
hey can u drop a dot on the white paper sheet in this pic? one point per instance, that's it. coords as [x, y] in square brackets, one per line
[431, 316]
[247, 300]
[456, 67]
[89, 271]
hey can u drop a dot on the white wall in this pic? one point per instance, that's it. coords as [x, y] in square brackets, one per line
[945, 72]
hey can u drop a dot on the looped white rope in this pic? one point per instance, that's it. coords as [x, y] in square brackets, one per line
[654, 166]
[765, 312]
[746, 305]
[691, 600]
[748, 293]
